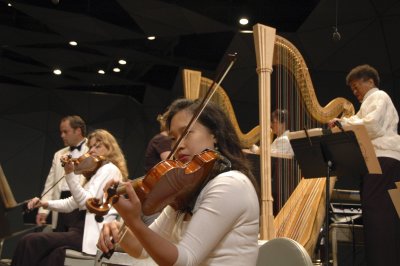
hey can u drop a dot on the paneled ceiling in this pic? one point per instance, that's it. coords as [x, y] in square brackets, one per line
[35, 36]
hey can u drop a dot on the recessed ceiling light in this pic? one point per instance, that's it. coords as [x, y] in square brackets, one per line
[246, 31]
[57, 71]
[101, 71]
[151, 38]
[9, 4]
[73, 43]
[244, 21]
[122, 62]
[116, 69]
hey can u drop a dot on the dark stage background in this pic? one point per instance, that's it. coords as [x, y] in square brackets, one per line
[34, 37]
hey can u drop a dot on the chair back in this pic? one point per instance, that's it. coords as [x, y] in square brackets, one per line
[283, 251]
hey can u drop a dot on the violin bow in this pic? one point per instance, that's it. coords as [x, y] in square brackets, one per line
[41, 196]
[121, 234]
[47, 191]
[211, 90]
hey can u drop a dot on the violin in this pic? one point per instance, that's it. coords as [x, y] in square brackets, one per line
[168, 183]
[86, 165]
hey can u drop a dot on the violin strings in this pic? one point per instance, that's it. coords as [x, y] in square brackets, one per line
[122, 232]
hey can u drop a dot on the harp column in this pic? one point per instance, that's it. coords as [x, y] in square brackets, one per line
[264, 40]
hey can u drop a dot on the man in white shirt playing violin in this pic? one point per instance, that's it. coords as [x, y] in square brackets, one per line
[72, 132]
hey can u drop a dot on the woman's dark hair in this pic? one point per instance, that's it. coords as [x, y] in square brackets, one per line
[220, 126]
[363, 72]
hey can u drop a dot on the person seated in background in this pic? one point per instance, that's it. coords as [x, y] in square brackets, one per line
[280, 147]
[159, 146]
[204, 228]
[48, 248]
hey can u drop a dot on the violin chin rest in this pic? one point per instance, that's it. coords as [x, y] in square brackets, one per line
[99, 218]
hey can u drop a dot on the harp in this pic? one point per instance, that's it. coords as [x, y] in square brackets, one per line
[301, 215]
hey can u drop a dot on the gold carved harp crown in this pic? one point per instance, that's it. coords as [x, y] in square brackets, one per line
[287, 55]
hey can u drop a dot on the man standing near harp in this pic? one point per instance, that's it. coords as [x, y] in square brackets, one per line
[379, 116]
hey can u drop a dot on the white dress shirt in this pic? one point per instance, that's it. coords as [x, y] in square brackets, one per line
[281, 147]
[92, 189]
[56, 172]
[224, 227]
[379, 116]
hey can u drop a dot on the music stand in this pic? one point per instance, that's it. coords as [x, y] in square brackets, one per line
[348, 153]
[11, 223]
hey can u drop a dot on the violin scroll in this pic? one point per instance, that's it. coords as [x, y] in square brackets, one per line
[94, 206]
[66, 159]
[99, 208]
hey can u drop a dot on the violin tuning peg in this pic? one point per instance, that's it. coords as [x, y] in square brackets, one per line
[114, 200]
[112, 191]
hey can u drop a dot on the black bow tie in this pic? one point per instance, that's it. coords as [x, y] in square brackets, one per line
[71, 148]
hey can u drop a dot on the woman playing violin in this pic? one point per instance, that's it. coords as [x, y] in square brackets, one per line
[48, 248]
[218, 224]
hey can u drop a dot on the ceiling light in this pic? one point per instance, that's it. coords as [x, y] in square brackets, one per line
[73, 43]
[151, 38]
[244, 21]
[9, 4]
[57, 71]
[101, 71]
[116, 69]
[122, 62]
[246, 31]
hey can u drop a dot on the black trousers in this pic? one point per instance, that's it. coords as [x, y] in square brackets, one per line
[48, 249]
[381, 221]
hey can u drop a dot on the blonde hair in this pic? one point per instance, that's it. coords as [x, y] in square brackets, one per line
[114, 153]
